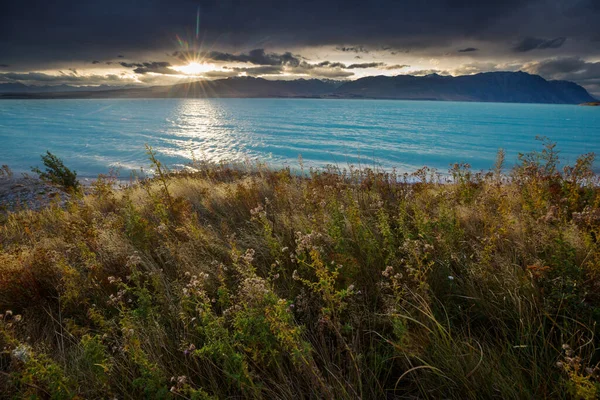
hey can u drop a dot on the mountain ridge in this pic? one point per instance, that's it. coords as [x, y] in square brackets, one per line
[511, 87]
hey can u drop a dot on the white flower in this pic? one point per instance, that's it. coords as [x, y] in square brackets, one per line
[22, 353]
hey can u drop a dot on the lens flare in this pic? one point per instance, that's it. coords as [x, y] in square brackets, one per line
[195, 68]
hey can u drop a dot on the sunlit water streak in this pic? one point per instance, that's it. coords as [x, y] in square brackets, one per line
[93, 136]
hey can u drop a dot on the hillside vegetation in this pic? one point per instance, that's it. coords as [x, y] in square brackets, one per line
[235, 282]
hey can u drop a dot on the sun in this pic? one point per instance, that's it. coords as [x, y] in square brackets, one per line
[194, 68]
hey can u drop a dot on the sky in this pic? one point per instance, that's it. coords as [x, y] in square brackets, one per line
[160, 42]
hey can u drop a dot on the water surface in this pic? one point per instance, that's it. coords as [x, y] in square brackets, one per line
[93, 136]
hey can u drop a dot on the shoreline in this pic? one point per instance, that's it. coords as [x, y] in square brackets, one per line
[28, 192]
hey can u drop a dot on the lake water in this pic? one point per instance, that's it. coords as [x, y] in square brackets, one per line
[92, 136]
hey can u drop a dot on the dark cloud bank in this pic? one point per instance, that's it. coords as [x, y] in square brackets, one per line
[265, 34]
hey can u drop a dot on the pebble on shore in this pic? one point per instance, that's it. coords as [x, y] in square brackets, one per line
[26, 192]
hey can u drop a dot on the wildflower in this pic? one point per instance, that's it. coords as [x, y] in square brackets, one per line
[350, 288]
[162, 228]
[133, 260]
[257, 210]
[295, 275]
[8, 314]
[22, 353]
[18, 318]
[248, 257]
[388, 271]
[450, 277]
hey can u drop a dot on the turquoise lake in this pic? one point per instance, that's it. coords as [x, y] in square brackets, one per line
[93, 136]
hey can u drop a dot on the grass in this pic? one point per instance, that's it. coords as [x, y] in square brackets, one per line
[236, 282]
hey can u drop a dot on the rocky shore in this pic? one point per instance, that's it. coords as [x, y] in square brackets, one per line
[27, 192]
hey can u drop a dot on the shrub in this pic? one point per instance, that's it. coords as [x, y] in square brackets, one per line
[237, 282]
[57, 173]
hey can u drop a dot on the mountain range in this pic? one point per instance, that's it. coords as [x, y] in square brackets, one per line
[511, 87]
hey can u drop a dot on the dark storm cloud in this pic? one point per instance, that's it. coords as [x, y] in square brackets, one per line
[573, 69]
[468, 50]
[531, 43]
[40, 31]
[4, 65]
[41, 34]
[257, 57]
[566, 67]
[95, 62]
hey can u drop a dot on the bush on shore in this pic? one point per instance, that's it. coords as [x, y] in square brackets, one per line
[57, 173]
[346, 284]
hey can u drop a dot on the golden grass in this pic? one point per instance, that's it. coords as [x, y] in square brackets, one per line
[257, 283]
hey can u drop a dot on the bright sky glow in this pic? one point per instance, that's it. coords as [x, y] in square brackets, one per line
[195, 68]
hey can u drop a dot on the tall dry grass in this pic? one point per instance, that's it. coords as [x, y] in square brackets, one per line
[236, 282]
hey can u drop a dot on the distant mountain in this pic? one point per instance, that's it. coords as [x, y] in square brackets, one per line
[512, 87]
[21, 88]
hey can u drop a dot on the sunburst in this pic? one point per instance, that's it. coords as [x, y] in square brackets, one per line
[195, 68]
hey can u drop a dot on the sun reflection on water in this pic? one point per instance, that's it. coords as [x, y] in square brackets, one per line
[202, 129]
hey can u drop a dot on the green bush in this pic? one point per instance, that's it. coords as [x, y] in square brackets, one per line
[57, 173]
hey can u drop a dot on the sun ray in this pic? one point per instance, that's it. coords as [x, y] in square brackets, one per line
[195, 68]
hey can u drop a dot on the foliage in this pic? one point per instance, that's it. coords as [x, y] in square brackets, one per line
[57, 173]
[245, 282]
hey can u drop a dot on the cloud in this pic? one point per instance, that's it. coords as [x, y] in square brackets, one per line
[220, 74]
[260, 71]
[157, 67]
[316, 71]
[396, 66]
[531, 43]
[575, 69]
[468, 50]
[131, 65]
[40, 78]
[366, 65]
[423, 72]
[257, 57]
[329, 64]
[353, 49]
[116, 27]
[4, 65]
[95, 62]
